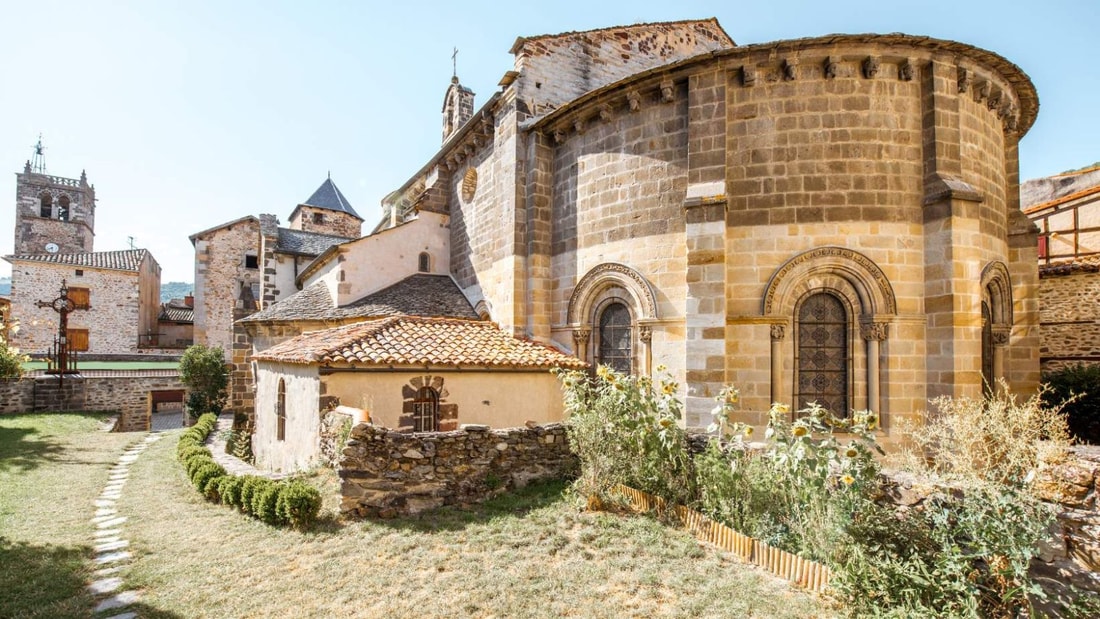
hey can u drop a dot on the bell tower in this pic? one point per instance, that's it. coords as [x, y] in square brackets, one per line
[52, 214]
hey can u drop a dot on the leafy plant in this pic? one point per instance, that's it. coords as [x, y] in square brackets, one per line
[264, 499]
[11, 359]
[298, 504]
[1076, 388]
[204, 372]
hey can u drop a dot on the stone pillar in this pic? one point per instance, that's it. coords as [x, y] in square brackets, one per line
[242, 393]
[777, 332]
[645, 336]
[539, 230]
[1022, 358]
[580, 344]
[873, 333]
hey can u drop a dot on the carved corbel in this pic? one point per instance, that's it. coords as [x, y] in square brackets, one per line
[983, 91]
[605, 112]
[645, 334]
[994, 100]
[965, 79]
[778, 332]
[870, 67]
[668, 93]
[579, 125]
[633, 101]
[905, 70]
[790, 68]
[830, 66]
[748, 75]
[559, 136]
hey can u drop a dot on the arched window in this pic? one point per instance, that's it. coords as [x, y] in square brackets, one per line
[63, 208]
[426, 410]
[822, 354]
[45, 205]
[615, 341]
[425, 264]
[280, 412]
[988, 379]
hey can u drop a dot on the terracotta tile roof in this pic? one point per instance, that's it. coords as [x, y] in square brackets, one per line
[1084, 193]
[1084, 264]
[416, 295]
[126, 260]
[410, 340]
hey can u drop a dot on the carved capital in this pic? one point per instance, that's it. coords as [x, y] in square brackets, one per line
[580, 337]
[778, 332]
[1001, 335]
[873, 331]
[870, 67]
[645, 334]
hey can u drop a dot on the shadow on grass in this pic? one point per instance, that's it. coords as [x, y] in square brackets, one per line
[21, 450]
[512, 504]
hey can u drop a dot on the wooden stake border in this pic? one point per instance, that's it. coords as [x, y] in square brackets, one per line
[803, 573]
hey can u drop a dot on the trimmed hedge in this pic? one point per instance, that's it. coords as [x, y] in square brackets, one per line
[276, 503]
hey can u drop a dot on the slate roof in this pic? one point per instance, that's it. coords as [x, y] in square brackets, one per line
[305, 243]
[125, 260]
[416, 295]
[172, 312]
[328, 197]
[409, 340]
[1084, 264]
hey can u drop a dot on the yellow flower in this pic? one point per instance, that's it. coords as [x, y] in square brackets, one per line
[799, 431]
[847, 479]
[665, 422]
[668, 388]
[851, 452]
[781, 409]
[872, 420]
[748, 430]
[661, 367]
[603, 372]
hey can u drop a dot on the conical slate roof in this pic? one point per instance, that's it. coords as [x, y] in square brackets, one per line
[329, 197]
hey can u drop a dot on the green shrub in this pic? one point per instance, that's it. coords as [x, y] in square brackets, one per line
[264, 498]
[230, 490]
[298, 503]
[249, 487]
[204, 473]
[11, 359]
[204, 372]
[184, 454]
[211, 489]
[1078, 386]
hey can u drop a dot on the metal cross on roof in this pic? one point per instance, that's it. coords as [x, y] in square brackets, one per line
[454, 63]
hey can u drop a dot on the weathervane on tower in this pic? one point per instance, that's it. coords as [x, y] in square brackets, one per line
[38, 163]
[454, 63]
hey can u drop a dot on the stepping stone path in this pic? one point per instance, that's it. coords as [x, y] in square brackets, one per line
[111, 554]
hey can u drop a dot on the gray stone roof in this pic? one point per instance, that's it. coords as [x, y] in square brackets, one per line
[329, 197]
[125, 260]
[418, 295]
[176, 312]
[305, 243]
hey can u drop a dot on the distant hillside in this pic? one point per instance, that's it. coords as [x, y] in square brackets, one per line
[175, 290]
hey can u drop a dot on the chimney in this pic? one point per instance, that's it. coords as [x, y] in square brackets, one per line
[189, 301]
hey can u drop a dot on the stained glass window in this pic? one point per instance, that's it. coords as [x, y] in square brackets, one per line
[822, 362]
[615, 345]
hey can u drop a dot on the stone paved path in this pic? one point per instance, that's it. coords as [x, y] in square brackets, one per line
[111, 548]
[215, 442]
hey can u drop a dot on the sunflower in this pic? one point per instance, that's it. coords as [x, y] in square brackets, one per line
[603, 372]
[781, 409]
[668, 388]
[665, 422]
[851, 452]
[748, 431]
[847, 479]
[661, 367]
[800, 430]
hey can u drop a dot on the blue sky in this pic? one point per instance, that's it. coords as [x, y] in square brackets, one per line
[188, 114]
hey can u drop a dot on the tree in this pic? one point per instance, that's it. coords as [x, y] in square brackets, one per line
[11, 360]
[206, 375]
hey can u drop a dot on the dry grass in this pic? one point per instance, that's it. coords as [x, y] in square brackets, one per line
[52, 466]
[528, 555]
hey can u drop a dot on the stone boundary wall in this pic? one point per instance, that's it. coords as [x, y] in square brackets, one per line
[129, 395]
[386, 473]
[1072, 553]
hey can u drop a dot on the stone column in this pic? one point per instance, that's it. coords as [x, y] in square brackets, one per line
[580, 344]
[778, 332]
[873, 333]
[645, 335]
[1001, 334]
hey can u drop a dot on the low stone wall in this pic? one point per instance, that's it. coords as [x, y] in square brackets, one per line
[129, 395]
[385, 473]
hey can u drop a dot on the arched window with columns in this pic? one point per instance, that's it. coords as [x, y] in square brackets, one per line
[822, 360]
[997, 319]
[611, 313]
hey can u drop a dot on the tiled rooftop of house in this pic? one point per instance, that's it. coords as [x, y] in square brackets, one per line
[417, 295]
[1086, 264]
[410, 340]
[125, 260]
[305, 243]
[176, 311]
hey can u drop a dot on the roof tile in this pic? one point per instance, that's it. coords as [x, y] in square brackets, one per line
[125, 260]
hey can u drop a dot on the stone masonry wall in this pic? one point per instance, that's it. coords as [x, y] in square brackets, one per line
[129, 395]
[385, 473]
[112, 321]
[220, 272]
[75, 234]
[1069, 328]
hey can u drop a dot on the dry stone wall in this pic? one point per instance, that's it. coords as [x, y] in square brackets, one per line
[1069, 329]
[129, 395]
[385, 473]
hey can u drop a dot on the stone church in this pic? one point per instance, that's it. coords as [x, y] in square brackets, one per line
[116, 294]
[832, 219]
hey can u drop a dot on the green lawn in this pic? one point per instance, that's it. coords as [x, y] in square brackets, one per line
[534, 554]
[110, 365]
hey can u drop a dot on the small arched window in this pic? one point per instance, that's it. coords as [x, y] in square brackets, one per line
[822, 360]
[615, 340]
[426, 410]
[45, 202]
[988, 379]
[63, 208]
[280, 412]
[425, 263]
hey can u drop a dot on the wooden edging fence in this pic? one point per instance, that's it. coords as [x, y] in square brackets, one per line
[801, 572]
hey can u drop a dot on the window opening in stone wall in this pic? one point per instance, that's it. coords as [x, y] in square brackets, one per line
[251, 261]
[63, 208]
[79, 272]
[425, 263]
[77, 339]
[280, 412]
[81, 297]
[615, 338]
[426, 410]
[45, 205]
[318, 218]
[822, 355]
[987, 349]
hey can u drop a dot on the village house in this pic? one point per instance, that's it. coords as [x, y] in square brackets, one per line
[831, 220]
